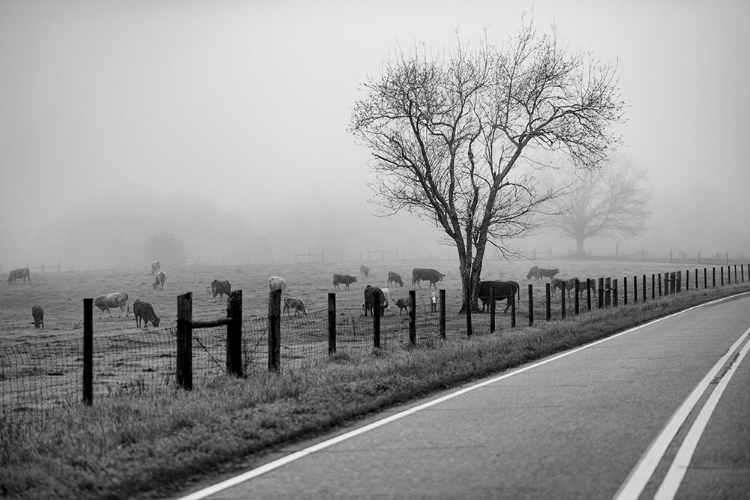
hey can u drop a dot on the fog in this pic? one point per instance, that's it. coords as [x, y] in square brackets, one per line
[226, 122]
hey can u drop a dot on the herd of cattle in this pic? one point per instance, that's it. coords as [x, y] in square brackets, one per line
[144, 312]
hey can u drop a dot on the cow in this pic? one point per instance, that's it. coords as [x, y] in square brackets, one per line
[547, 273]
[369, 303]
[563, 285]
[293, 303]
[364, 271]
[395, 278]
[533, 273]
[343, 278]
[501, 290]
[38, 314]
[386, 298]
[277, 283]
[403, 304]
[155, 267]
[432, 275]
[161, 277]
[144, 311]
[104, 302]
[220, 288]
[18, 274]
[582, 287]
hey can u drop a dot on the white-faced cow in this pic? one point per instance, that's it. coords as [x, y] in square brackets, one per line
[395, 278]
[18, 274]
[144, 311]
[155, 267]
[369, 303]
[38, 314]
[501, 290]
[277, 283]
[403, 305]
[220, 288]
[343, 278]
[112, 300]
[431, 275]
[161, 277]
[364, 271]
[293, 303]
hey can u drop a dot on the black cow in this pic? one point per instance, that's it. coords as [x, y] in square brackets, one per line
[18, 274]
[395, 278]
[403, 304]
[369, 303]
[343, 278]
[144, 311]
[220, 288]
[432, 275]
[38, 314]
[501, 290]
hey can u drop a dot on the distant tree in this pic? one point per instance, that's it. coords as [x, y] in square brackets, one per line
[166, 247]
[607, 202]
[449, 135]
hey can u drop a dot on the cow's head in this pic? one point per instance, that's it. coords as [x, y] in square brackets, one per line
[155, 321]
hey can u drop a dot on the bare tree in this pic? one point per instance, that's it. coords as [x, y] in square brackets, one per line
[449, 134]
[610, 201]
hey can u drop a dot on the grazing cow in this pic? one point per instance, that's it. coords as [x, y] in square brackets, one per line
[395, 278]
[403, 304]
[144, 311]
[563, 285]
[547, 273]
[104, 302]
[18, 274]
[293, 303]
[432, 275]
[220, 288]
[369, 303]
[38, 314]
[582, 287]
[343, 278]
[534, 273]
[501, 290]
[276, 283]
[365, 271]
[155, 267]
[161, 277]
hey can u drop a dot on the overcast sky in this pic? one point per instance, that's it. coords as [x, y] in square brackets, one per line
[244, 106]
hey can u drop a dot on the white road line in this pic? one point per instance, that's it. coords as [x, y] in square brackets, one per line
[246, 476]
[677, 470]
[633, 486]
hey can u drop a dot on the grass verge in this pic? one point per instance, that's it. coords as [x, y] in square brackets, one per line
[148, 445]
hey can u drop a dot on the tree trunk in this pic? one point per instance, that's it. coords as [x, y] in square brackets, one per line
[580, 252]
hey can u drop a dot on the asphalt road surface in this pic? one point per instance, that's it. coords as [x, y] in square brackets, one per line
[660, 411]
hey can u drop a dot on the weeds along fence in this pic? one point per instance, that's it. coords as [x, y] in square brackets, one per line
[38, 376]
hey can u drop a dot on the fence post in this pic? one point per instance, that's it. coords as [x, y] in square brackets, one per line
[531, 304]
[687, 279]
[562, 298]
[547, 301]
[588, 293]
[635, 289]
[234, 333]
[88, 351]
[601, 293]
[645, 288]
[413, 317]
[696, 278]
[678, 275]
[625, 291]
[659, 274]
[442, 313]
[742, 272]
[467, 294]
[274, 331]
[653, 287]
[376, 307]
[513, 306]
[705, 278]
[185, 341]
[729, 275]
[713, 272]
[331, 323]
[492, 308]
[607, 292]
[577, 291]
[722, 275]
[614, 292]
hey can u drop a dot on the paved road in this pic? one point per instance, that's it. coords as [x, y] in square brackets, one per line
[589, 424]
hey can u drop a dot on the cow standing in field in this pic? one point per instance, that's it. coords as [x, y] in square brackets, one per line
[582, 287]
[369, 303]
[112, 300]
[547, 273]
[395, 278]
[293, 303]
[144, 311]
[364, 271]
[343, 278]
[161, 277]
[220, 288]
[403, 304]
[38, 314]
[155, 267]
[501, 290]
[277, 283]
[533, 273]
[432, 275]
[18, 274]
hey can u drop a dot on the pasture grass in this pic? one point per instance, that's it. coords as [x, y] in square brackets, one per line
[151, 443]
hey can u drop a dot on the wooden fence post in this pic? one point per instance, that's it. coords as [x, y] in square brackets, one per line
[88, 351]
[492, 308]
[413, 317]
[377, 305]
[185, 341]
[614, 292]
[588, 294]
[234, 333]
[653, 287]
[659, 274]
[722, 275]
[705, 278]
[513, 307]
[687, 279]
[331, 323]
[601, 293]
[607, 292]
[548, 301]
[625, 291]
[274, 331]
[577, 290]
[442, 313]
[713, 272]
[562, 298]
[635, 289]
[531, 304]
